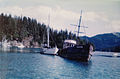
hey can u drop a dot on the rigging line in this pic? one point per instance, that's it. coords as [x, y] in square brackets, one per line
[75, 30]
[44, 35]
[51, 35]
[84, 29]
[85, 32]
[50, 31]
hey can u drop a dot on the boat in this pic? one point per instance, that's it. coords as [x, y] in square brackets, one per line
[47, 49]
[73, 50]
[5, 43]
[50, 51]
[20, 45]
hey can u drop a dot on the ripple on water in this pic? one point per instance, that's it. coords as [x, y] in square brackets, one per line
[36, 66]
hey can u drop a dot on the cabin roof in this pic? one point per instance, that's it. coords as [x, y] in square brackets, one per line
[70, 41]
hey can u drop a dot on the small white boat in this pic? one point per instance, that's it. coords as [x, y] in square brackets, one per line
[5, 44]
[47, 49]
[115, 54]
[20, 45]
[50, 51]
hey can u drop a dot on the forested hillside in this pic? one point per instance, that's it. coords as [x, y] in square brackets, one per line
[106, 42]
[18, 28]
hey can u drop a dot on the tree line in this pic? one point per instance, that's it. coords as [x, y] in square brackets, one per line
[20, 27]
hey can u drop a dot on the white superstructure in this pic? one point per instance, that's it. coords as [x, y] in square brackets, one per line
[69, 43]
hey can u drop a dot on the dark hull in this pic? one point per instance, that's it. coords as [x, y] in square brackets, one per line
[78, 52]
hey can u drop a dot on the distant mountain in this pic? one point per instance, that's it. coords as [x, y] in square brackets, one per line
[106, 42]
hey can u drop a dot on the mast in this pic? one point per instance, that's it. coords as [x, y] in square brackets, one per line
[48, 36]
[79, 24]
[48, 29]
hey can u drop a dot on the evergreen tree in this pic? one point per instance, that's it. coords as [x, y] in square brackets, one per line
[21, 27]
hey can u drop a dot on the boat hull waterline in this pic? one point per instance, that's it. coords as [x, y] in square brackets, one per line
[50, 51]
[78, 52]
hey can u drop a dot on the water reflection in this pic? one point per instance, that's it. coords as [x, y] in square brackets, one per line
[78, 67]
[109, 54]
[20, 50]
[37, 66]
[44, 66]
[3, 66]
[59, 67]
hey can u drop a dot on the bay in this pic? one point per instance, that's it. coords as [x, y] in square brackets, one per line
[103, 65]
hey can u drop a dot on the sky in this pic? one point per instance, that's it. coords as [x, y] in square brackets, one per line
[100, 16]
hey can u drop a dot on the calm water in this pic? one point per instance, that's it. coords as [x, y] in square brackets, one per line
[36, 66]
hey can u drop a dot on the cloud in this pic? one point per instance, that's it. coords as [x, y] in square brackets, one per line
[59, 17]
[116, 25]
[11, 10]
[1, 0]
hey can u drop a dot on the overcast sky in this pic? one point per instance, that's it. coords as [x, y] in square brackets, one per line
[100, 16]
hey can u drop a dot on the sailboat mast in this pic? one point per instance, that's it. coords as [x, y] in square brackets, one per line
[79, 24]
[48, 37]
[48, 29]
